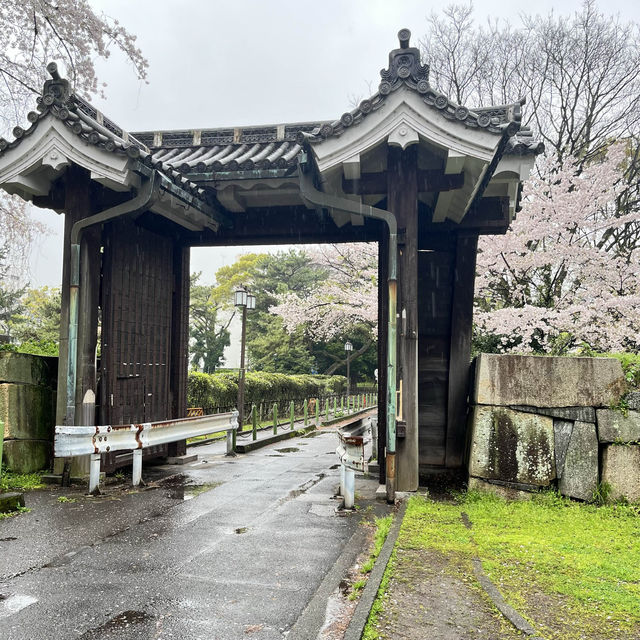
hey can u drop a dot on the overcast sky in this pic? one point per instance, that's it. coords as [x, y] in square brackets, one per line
[251, 62]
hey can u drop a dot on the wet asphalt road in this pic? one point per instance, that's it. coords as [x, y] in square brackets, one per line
[239, 560]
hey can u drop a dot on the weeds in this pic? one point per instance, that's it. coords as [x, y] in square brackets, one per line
[18, 511]
[10, 481]
[601, 494]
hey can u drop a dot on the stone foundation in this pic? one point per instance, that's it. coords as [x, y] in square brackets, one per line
[542, 421]
[27, 410]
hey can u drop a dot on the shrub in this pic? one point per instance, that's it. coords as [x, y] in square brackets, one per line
[221, 389]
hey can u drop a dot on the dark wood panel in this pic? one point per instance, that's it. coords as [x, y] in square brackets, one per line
[460, 359]
[435, 281]
[137, 329]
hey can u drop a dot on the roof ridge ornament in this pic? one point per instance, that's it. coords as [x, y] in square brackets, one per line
[404, 66]
[57, 90]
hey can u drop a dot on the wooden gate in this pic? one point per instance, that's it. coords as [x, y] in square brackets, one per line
[139, 312]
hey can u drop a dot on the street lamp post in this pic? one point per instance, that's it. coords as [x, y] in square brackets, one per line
[348, 347]
[244, 300]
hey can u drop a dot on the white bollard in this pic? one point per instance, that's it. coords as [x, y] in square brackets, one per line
[349, 488]
[342, 472]
[229, 442]
[137, 467]
[94, 472]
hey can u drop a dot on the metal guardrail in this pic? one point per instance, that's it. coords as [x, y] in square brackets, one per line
[350, 451]
[73, 441]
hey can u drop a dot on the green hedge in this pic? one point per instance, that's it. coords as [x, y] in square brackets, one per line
[221, 389]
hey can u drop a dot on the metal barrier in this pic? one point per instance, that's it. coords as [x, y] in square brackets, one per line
[350, 451]
[72, 441]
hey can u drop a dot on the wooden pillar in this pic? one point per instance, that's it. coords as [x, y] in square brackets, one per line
[77, 206]
[383, 314]
[179, 341]
[460, 353]
[90, 264]
[402, 188]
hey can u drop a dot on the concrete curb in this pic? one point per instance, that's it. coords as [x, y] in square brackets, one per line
[312, 618]
[370, 591]
[252, 445]
[494, 594]
[496, 597]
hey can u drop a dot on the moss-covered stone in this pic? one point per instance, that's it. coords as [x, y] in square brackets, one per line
[28, 369]
[28, 411]
[537, 381]
[26, 456]
[512, 446]
[11, 502]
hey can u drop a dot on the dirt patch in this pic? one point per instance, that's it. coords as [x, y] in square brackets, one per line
[433, 596]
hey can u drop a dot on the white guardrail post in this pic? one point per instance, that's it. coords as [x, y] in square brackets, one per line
[73, 441]
[350, 450]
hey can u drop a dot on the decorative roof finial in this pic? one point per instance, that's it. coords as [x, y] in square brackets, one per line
[57, 90]
[404, 35]
[52, 68]
[404, 66]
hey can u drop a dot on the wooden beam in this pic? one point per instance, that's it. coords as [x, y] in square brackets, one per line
[402, 176]
[431, 181]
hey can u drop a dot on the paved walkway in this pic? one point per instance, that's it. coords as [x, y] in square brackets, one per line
[241, 559]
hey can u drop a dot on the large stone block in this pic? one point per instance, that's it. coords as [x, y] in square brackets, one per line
[540, 381]
[633, 400]
[621, 469]
[508, 493]
[562, 430]
[27, 369]
[579, 476]
[11, 502]
[26, 456]
[614, 426]
[28, 411]
[512, 446]
[584, 414]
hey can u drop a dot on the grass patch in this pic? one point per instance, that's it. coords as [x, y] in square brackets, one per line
[10, 481]
[383, 526]
[585, 559]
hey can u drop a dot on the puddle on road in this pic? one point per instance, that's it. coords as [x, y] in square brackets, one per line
[8, 539]
[334, 466]
[117, 623]
[288, 450]
[190, 491]
[241, 530]
[10, 604]
[302, 488]
[274, 455]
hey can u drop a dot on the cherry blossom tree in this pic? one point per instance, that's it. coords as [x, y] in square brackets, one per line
[561, 277]
[347, 297]
[33, 33]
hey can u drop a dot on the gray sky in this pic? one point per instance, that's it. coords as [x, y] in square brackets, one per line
[251, 62]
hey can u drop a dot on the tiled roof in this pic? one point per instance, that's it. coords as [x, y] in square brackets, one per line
[222, 150]
[91, 126]
[276, 147]
[406, 70]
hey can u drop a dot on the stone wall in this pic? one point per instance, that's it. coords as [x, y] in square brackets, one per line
[540, 421]
[27, 409]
